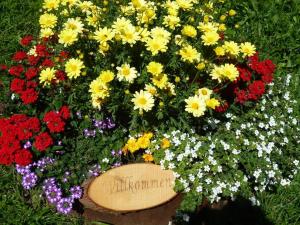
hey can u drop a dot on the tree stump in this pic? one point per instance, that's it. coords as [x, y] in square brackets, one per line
[118, 196]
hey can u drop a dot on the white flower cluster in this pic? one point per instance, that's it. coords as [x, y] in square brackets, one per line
[245, 155]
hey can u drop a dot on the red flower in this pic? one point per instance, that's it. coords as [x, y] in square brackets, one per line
[23, 131]
[16, 70]
[29, 96]
[10, 143]
[256, 90]
[245, 74]
[241, 96]
[17, 85]
[6, 157]
[54, 123]
[34, 125]
[31, 73]
[3, 67]
[23, 157]
[60, 75]
[41, 50]
[64, 55]
[25, 41]
[48, 63]
[64, 112]
[33, 60]
[31, 84]
[222, 108]
[43, 141]
[267, 78]
[19, 56]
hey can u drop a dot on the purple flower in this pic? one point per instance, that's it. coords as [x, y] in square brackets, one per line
[23, 169]
[117, 164]
[53, 194]
[76, 192]
[100, 124]
[113, 152]
[110, 123]
[89, 133]
[95, 170]
[29, 180]
[48, 183]
[44, 162]
[27, 145]
[64, 205]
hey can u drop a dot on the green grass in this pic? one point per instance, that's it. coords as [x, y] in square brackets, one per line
[273, 25]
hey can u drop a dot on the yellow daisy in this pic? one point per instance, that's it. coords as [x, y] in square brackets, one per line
[73, 68]
[47, 76]
[127, 73]
[195, 105]
[143, 100]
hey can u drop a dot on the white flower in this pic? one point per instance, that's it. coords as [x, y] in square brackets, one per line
[105, 160]
[199, 189]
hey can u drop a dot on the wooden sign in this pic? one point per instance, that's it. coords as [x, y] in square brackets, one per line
[132, 187]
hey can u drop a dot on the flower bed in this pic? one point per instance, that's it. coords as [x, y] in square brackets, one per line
[141, 81]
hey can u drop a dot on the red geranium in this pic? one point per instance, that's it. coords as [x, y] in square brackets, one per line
[41, 50]
[31, 84]
[33, 60]
[47, 63]
[33, 124]
[256, 89]
[6, 157]
[29, 96]
[31, 73]
[245, 75]
[3, 67]
[60, 75]
[19, 56]
[222, 108]
[54, 122]
[25, 41]
[241, 96]
[16, 70]
[17, 85]
[23, 157]
[64, 112]
[43, 141]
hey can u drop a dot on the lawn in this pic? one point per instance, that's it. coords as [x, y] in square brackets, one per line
[272, 25]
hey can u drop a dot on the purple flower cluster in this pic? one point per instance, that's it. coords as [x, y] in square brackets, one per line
[43, 163]
[100, 125]
[29, 180]
[54, 195]
[116, 153]
[95, 171]
[27, 145]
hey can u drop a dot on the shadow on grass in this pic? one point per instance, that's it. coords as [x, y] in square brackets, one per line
[239, 212]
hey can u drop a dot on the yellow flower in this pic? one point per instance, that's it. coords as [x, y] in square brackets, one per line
[155, 68]
[104, 34]
[190, 54]
[127, 73]
[99, 89]
[195, 105]
[143, 100]
[47, 76]
[220, 51]
[74, 24]
[69, 2]
[177, 79]
[189, 31]
[248, 49]
[143, 142]
[46, 32]
[148, 157]
[132, 145]
[156, 45]
[151, 89]
[171, 21]
[210, 38]
[230, 71]
[212, 103]
[204, 93]
[201, 66]
[160, 33]
[231, 47]
[222, 27]
[130, 35]
[232, 12]
[170, 89]
[121, 24]
[217, 73]
[67, 37]
[207, 27]
[97, 101]
[73, 68]
[165, 143]
[160, 81]
[185, 4]
[48, 20]
[51, 4]
[106, 76]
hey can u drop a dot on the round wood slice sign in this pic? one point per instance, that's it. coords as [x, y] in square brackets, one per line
[132, 187]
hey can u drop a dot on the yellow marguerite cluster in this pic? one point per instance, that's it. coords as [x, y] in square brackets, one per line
[198, 104]
[223, 72]
[135, 144]
[148, 44]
